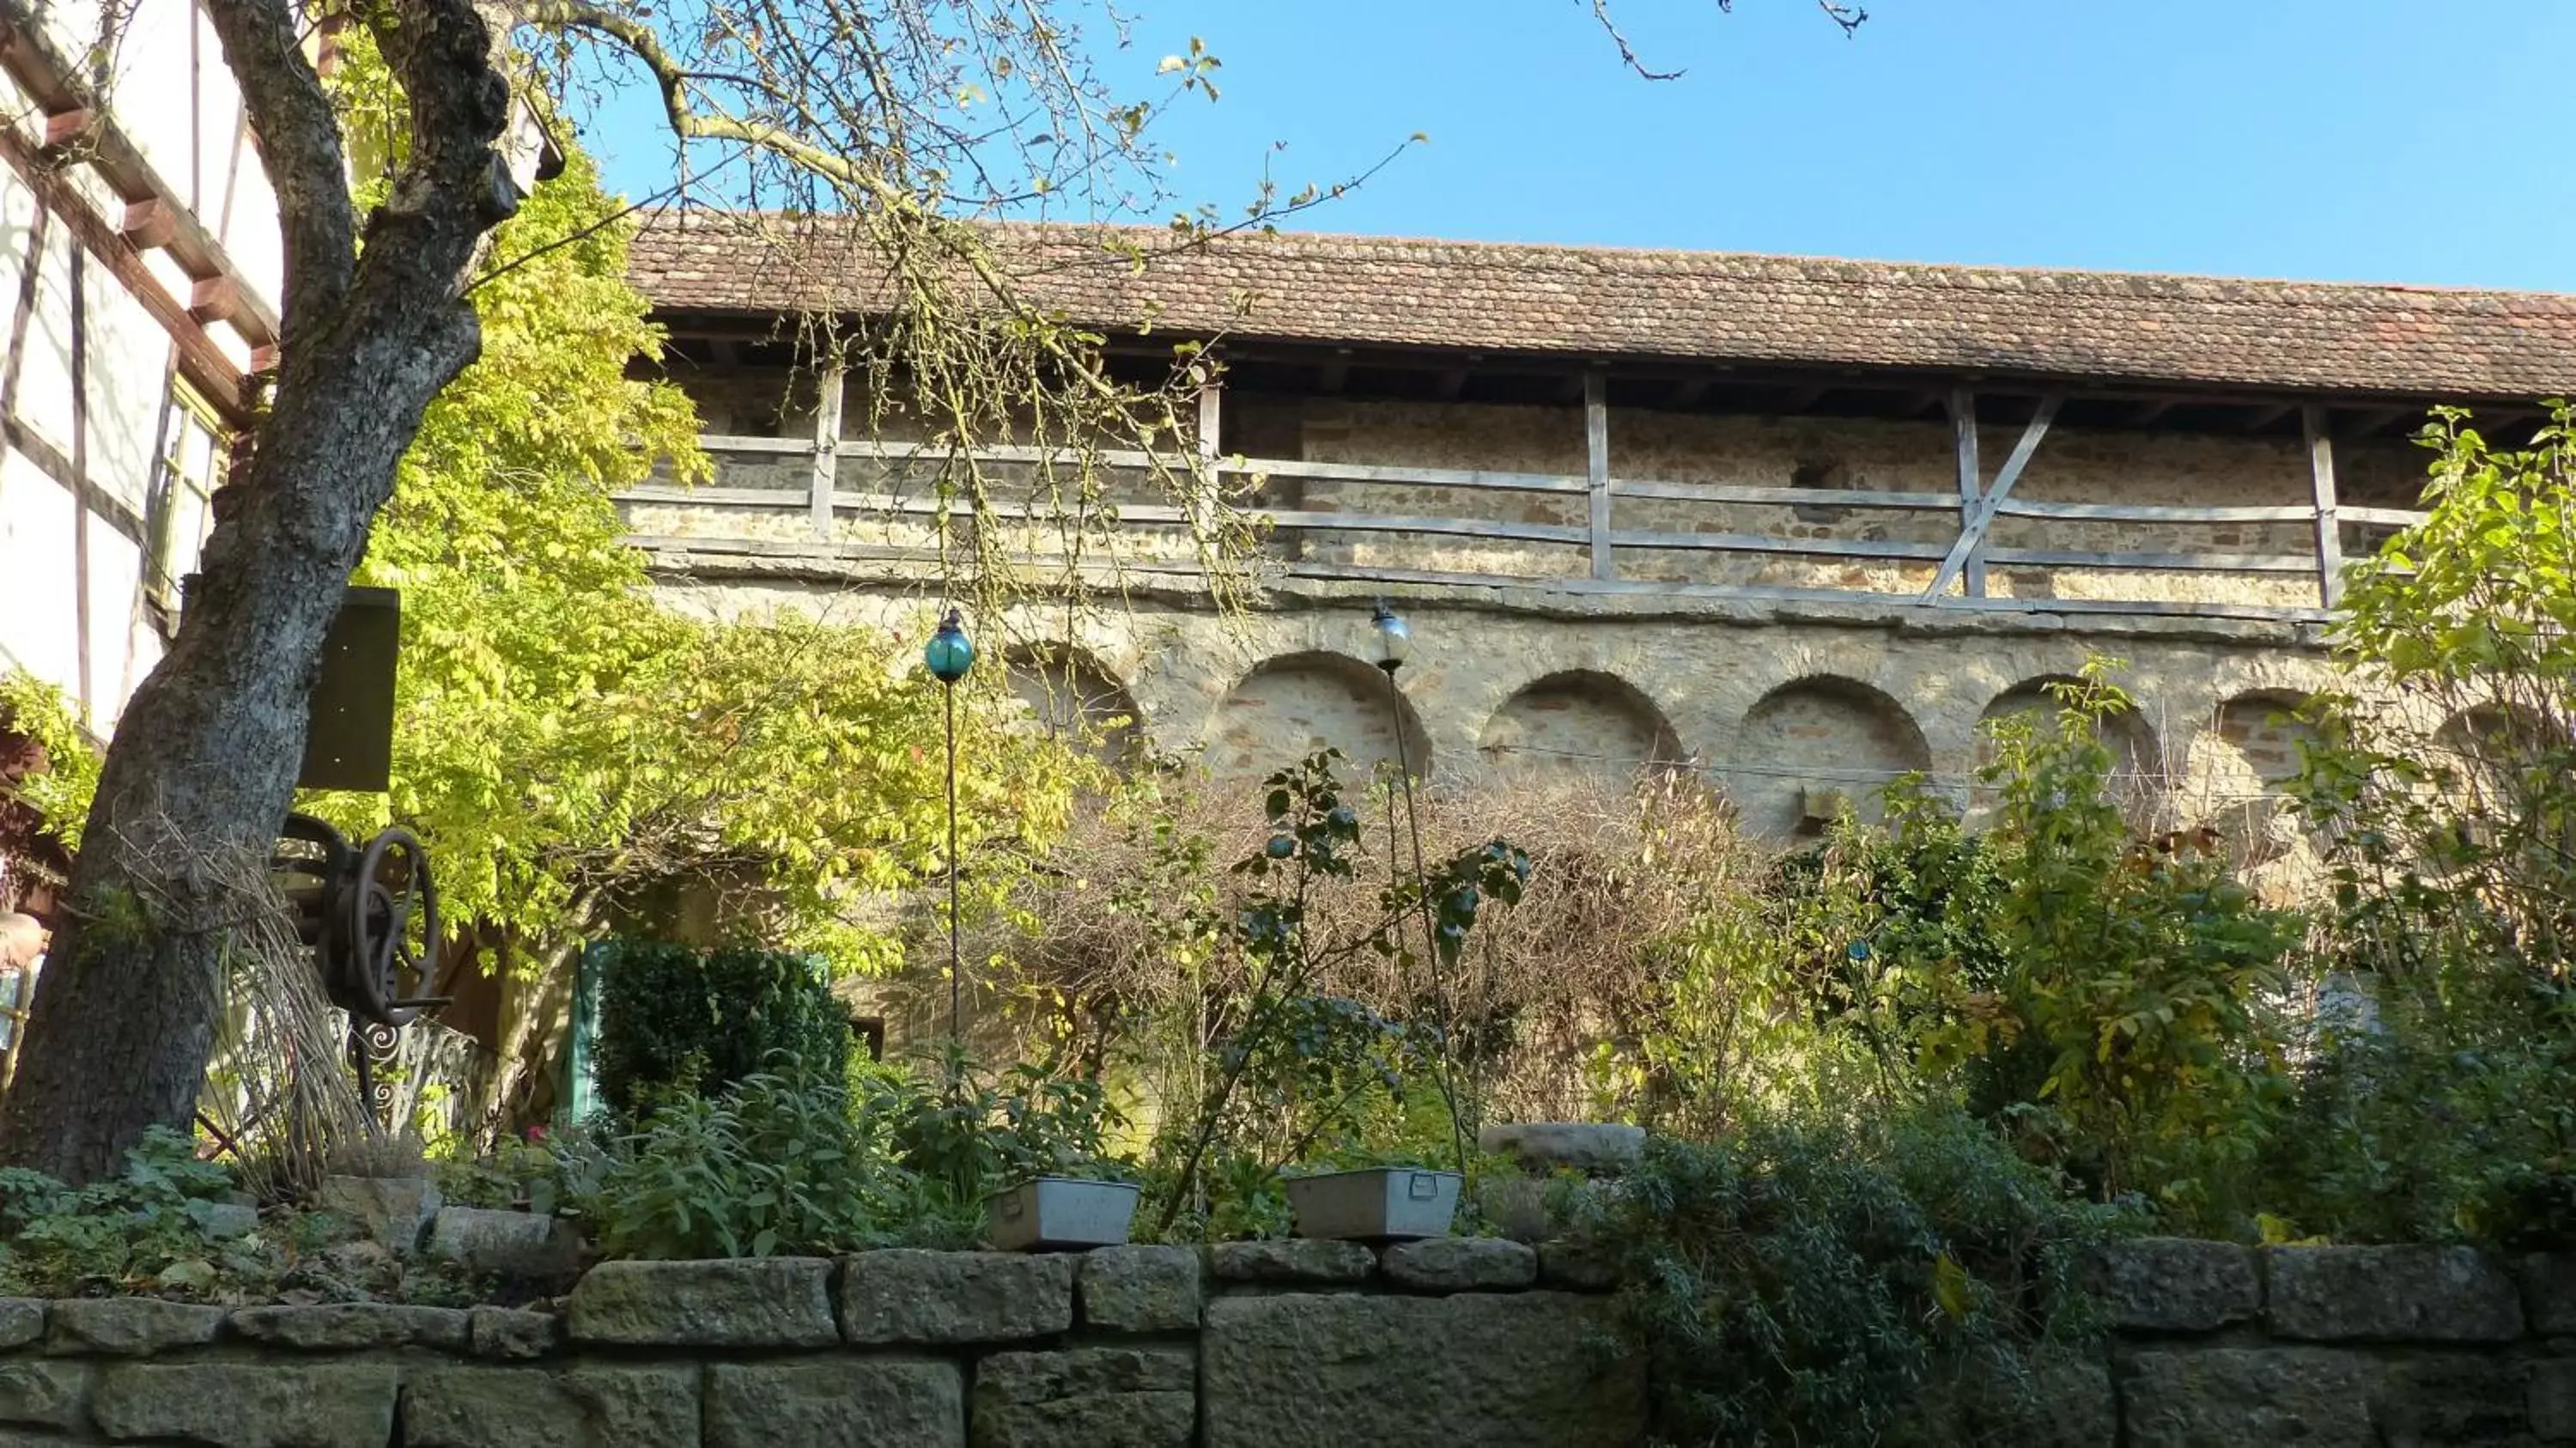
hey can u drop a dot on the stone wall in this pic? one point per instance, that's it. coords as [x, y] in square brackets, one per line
[2338, 1347]
[1775, 706]
[1243, 1345]
[1441, 1342]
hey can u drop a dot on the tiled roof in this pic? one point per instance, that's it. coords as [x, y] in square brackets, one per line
[1715, 307]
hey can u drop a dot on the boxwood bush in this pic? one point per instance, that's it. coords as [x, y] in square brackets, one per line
[675, 1021]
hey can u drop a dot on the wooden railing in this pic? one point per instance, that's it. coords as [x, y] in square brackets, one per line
[837, 486]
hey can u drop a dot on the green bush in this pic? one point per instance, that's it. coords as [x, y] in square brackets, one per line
[168, 1226]
[777, 1164]
[675, 1021]
[1832, 1280]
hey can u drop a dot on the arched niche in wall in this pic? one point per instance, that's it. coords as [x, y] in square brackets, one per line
[2137, 763]
[1296, 704]
[1071, 697]
[1579, 724]
[1814, 744]
[2238, 765]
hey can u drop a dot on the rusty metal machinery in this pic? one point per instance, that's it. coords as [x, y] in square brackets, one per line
[369, 914]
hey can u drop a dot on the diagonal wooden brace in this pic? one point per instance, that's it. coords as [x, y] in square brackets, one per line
[1973, 525]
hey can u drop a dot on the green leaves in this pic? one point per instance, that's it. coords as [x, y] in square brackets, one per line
[675, 1020]
[562, 739]
[59, 794]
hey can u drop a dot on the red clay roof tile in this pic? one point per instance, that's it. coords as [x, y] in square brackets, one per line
[1712, 307]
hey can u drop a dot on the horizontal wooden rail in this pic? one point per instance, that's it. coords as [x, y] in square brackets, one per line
[2385, 517]
[2018, 507]
[2154, 562]
[830, 496]
[1765, 543]
[1782, 497]
[719, 443]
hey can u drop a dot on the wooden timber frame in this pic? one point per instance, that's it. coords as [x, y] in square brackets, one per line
[859, 478]
[131, 211]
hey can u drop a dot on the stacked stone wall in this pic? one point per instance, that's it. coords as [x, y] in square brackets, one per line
[1250, 1344]
[2338, 1347]
[2073, 465]
[1244, 1344]
[1769, 704]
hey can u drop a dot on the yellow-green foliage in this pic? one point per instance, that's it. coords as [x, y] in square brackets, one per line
[559, 736]
[60, 793]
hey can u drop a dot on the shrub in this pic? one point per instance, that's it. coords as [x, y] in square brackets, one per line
[675, 1021]
[777, 1164]
[1820, 1281]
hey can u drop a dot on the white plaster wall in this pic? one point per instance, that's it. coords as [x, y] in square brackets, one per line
[36, 574]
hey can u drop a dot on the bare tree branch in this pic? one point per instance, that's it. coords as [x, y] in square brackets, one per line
[1849, 17]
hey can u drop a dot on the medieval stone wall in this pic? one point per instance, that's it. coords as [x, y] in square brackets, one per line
[1780, 707]
[1790, 709]
[1845, 454]
[1243, 1344]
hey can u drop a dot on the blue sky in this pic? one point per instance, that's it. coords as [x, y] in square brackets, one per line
[2381, 140]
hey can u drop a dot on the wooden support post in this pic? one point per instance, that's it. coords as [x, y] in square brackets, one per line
[2321, 477]
[827, 446]
[1203, 489]
[1596, 442]
[1963, 421]
[1970, 551]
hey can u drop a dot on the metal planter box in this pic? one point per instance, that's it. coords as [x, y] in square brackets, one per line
[1053, 1213]
[1379, 1203]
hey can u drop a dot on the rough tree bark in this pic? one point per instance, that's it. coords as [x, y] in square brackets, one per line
[203, 764]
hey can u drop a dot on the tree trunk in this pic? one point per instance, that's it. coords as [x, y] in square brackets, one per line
[203, 764]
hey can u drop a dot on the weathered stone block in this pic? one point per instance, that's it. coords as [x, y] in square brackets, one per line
[1460, 1264]
[2453, 1398]
[2422, 1294]
[342, 1326]
[2065, 1403]
[589, 1407]
[2549, 1293]
[225, 1221]
[394, 1210]
[2175, 1284]
[774, 1302]
[47, 1391]
[22, 1320]
[504, 1332]
[2235, 1398]
[850, 1403]
[2551, 1400]
[1578, 1264]
[506, 1244]
[910, 1296]
[1517, 1207]
[1596, 1148]
[1094, 1397]
[1295, 1260]
[1538, 1368]
[128, 1326]
[2072, 1406]
[266, 1404]
[1533, 1209]
[1141, 1289]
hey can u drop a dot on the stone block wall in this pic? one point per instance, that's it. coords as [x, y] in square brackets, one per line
[1246, 1344]
[1774, 706]
[1243, 1345]
[2338, 1347]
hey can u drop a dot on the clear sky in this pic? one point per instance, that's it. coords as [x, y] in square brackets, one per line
[2378, 140]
